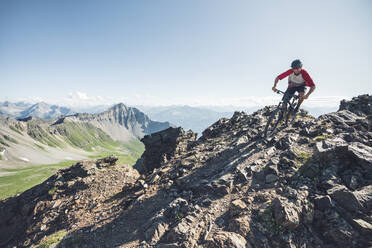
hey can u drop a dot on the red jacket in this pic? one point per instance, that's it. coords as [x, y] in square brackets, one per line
[308, 81]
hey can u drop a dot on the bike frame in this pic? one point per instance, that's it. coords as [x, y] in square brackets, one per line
[292, 102]
[283, 112]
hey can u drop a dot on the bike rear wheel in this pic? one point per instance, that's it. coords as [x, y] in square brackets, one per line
[274, 119]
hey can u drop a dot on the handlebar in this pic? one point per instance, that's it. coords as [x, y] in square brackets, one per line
[279, 92]
[296, 96]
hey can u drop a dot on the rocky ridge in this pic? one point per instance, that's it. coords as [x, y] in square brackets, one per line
[308, 186]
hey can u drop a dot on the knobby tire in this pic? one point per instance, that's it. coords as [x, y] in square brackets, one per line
[274, 119]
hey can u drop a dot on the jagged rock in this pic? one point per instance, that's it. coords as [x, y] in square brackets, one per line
[223, 239]
[186, 232]
[364, 197]
[177, 209]
[310, 170]
[338, 230]
[242, 175]
[361, 153]
[345, 198]
[360, 105]
[271, 178]
[363, 226]
[237, 207]
[155, 232]
[107, 161]
[272, 168]
[240, 225]
[216, 129]
[323, 203]
[285, 213]
[163, 145]
[172, 245]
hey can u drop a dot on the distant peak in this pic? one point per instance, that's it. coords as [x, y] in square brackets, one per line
[119, 105]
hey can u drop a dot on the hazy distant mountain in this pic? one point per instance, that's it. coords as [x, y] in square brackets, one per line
[194, 118]
[13, 109]
[41, 110]
[317, 111]
[46, 111]
[92, 109]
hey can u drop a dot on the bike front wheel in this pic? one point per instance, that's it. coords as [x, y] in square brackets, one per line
[273, 122]
[291, 116]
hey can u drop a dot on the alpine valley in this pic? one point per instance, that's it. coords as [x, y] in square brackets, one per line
[33, 148]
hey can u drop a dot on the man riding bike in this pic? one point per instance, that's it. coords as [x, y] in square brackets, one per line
[297, 80]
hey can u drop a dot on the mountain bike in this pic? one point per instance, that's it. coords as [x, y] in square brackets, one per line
[283, 113]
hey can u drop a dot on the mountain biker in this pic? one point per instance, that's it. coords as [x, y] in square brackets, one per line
[297, 80]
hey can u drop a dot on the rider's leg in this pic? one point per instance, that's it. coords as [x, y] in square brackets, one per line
[301, 92]
[301, 99]
[287, 96]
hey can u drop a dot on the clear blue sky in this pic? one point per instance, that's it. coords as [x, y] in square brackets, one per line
[181, 49]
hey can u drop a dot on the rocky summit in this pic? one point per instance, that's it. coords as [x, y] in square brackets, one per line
[308, 186]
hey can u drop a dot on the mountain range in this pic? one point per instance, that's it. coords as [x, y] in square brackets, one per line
[194, 118]
[36, 140]
[188, 117]
[41, 110]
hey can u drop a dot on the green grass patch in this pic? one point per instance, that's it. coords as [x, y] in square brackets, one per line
[3, 142]
[135, 146]
[320, 137]
[40, 147]
[52, 190]
[54, 238]
[1, 158]
[85, 136]
[22, 179]
[15, 130]
[127, 153]
[301, 158]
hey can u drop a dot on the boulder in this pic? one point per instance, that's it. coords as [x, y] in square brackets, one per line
[222, 239]
[363, 226]
[323, 203]
[345, 198]
[361, 153]
[360, 105]
[161, 146]
[155, 232]
[286, 214]
[237, 207]
[240, 225]
[271, 178]
[364, 197]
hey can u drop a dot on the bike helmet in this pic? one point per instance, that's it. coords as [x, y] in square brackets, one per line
[296, 64]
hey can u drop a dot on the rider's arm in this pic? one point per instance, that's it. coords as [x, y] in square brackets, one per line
[275, 83]
[312, 88]
[308, 82]
[280, 77]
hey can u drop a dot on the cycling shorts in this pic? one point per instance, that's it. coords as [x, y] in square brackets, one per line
[290, 92]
